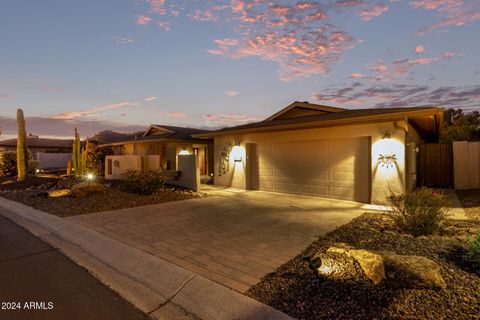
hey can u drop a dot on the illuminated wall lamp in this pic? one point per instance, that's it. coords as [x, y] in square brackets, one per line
[387, 161]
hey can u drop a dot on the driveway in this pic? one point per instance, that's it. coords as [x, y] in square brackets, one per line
[231, 237]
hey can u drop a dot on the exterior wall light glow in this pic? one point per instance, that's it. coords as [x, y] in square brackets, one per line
[183, 152]
[89, 177]
[387, 161]
[237, 153]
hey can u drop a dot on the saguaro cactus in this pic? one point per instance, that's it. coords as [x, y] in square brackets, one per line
[22, 148]
[77, 155]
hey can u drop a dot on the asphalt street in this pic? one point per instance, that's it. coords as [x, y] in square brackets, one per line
[38, 282]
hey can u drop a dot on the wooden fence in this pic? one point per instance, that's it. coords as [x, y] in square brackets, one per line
[435, 165]
[466, 159]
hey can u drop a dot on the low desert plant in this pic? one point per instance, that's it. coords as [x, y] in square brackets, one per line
[8, 163]
[419, 212]
[142, 182]
[473, 249]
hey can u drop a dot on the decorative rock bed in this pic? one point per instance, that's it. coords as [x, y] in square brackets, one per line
[412, 287]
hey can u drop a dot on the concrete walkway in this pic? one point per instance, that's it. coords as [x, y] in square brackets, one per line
[232, 237]
[158, 288]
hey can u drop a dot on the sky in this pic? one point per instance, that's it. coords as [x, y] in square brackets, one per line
[125, 64]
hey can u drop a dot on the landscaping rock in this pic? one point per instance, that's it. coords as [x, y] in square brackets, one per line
[399, 270]
[371, 263]
[82, 190]
[413, 272]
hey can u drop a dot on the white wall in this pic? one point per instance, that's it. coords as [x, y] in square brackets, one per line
[53, 160]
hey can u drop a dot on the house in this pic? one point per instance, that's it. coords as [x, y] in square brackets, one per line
[159, 147]
[50, 153]
[311, 149]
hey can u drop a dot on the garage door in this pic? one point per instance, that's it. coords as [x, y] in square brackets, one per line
[333, 168]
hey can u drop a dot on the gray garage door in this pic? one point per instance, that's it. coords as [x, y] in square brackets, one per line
[333, 168]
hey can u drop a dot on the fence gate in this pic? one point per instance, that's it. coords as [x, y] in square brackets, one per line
[435, 165]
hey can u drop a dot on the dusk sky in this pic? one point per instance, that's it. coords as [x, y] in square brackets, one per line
[123, 64]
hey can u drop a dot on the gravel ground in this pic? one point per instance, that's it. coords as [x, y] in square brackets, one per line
[297, 291]
[470, 200]
[59, 203]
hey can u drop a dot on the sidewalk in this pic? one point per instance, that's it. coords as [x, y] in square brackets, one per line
[33, 271]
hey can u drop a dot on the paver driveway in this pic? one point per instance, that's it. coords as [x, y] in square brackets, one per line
[233, 238]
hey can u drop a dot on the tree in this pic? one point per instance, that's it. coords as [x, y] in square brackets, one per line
[459, 126]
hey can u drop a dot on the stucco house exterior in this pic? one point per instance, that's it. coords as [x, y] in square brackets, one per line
[49, 153]
[158, 148]
[317, 150]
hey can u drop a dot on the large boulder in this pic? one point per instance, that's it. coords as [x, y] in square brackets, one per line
[371, 263]
[382, 267]
[82, 190]
[412, 271]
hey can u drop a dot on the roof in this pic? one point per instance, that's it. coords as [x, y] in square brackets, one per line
[333, 118]
[304, 108]
[164, 133]
[40, 143]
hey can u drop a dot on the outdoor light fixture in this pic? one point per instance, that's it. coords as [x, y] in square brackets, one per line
[183, 152]
[237, 153]
[387, 161]
[89, 177]
[37, 171]
[386, 135]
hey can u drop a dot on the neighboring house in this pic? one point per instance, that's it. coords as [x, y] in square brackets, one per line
[311, 149]
[158, 148]
[50, 153]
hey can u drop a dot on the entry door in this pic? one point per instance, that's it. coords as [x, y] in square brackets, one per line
[333, 168]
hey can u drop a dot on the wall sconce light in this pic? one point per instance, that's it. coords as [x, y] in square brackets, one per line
[387, 161]
[387, 135]
[237, 153]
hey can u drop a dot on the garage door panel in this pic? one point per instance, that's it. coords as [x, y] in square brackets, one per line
[343, 176]
[337, 168]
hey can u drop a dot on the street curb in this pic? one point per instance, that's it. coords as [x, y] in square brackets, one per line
[158, 288]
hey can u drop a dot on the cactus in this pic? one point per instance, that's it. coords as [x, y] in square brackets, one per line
[22, 148]
[85, 151]
[77, 155]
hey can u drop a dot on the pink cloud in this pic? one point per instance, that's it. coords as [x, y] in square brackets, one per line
[177, 115]
[69, 115]
[356, 75]
[164, 25]
[203, 15]
[157, 6]
[143, 20]
[368, 13]
[150, 99]
[419, 49]
[399, 67]
[231, 93]
[450, 12]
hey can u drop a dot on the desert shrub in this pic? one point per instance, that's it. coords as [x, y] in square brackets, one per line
[141, 182]
[473, 249]
[8, 163]
[419, 212]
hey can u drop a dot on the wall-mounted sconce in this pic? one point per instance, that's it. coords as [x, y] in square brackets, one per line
[387, 135]
[237, 153]
[387, 161]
